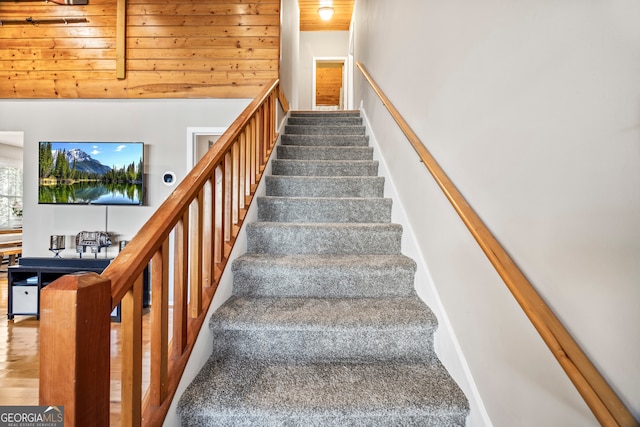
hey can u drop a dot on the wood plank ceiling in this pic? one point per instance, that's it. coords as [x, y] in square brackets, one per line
[310, 21]
[173, 49]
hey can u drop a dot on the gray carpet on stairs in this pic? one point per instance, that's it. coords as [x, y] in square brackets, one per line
[324, 327]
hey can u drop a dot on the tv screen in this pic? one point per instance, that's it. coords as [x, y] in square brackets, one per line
[91, 173]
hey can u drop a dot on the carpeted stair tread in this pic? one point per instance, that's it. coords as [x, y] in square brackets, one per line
[322, 120]
[329, 152]
[324, 167]
[324, 209]
[324, 329]
[321, 314]
[259, 393]
[337, 113]
[327, 276]
[324, 186]
[325, 140]
[322, 238]
[324, 130]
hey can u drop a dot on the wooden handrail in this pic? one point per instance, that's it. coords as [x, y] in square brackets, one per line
[282, 97]
[599, 396]
[198, 224]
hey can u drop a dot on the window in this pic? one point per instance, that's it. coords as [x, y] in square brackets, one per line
[10, 197]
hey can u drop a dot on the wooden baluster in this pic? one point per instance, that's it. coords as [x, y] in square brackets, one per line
[270, 124]
[235, 181]
[271, 117]
[159, 324]
[269, 127]
[227, 199]
[264, 136]
[74, 348]
[180, 279]
[247, 164]
[254, 151]
[131, 327]
[260, 116]
[274, 109]
[195, 255]
[218, 198]
[207, 234]
[242, 176]
[259, 126]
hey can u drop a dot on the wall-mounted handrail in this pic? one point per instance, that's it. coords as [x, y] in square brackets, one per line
[198, 223]
[599, 396]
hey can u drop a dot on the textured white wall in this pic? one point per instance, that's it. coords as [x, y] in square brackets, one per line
[533, 109]
[317, 44]
[160, 124]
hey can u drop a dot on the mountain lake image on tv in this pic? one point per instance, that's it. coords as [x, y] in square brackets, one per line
[91, 173]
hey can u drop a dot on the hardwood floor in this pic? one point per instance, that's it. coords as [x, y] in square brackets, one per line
[19, 355]
[20, 358]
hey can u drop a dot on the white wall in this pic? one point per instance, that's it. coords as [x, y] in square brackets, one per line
[317, 44]
[160, 124]
[290, 50]
[533, 110]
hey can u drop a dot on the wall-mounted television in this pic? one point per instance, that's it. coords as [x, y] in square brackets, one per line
[91, 173]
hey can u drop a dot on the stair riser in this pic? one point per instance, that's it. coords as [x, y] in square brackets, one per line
[269, 280]
[293, 420]
[301, 239]
[324, 153]
[295, 186]
[322, 121]
[325, 140]
[324, 168]
[324, 130]
[294, 209]
[326, 346]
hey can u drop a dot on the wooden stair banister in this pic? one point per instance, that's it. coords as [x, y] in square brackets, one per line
[594, 389]
[202, 218]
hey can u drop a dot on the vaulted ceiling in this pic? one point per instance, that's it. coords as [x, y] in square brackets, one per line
[310, 20]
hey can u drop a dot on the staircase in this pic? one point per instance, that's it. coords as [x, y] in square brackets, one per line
[324, 327]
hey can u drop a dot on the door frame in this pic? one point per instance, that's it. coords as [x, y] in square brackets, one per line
[192, 133]
[345, 80]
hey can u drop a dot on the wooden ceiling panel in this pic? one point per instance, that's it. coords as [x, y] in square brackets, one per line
[310, 21]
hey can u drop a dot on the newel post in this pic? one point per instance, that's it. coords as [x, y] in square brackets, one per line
[74, 348]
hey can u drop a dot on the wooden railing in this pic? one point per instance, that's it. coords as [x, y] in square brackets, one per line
[197, 225]
[599, 396]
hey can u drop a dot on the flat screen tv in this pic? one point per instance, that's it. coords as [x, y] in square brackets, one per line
[91, 173]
